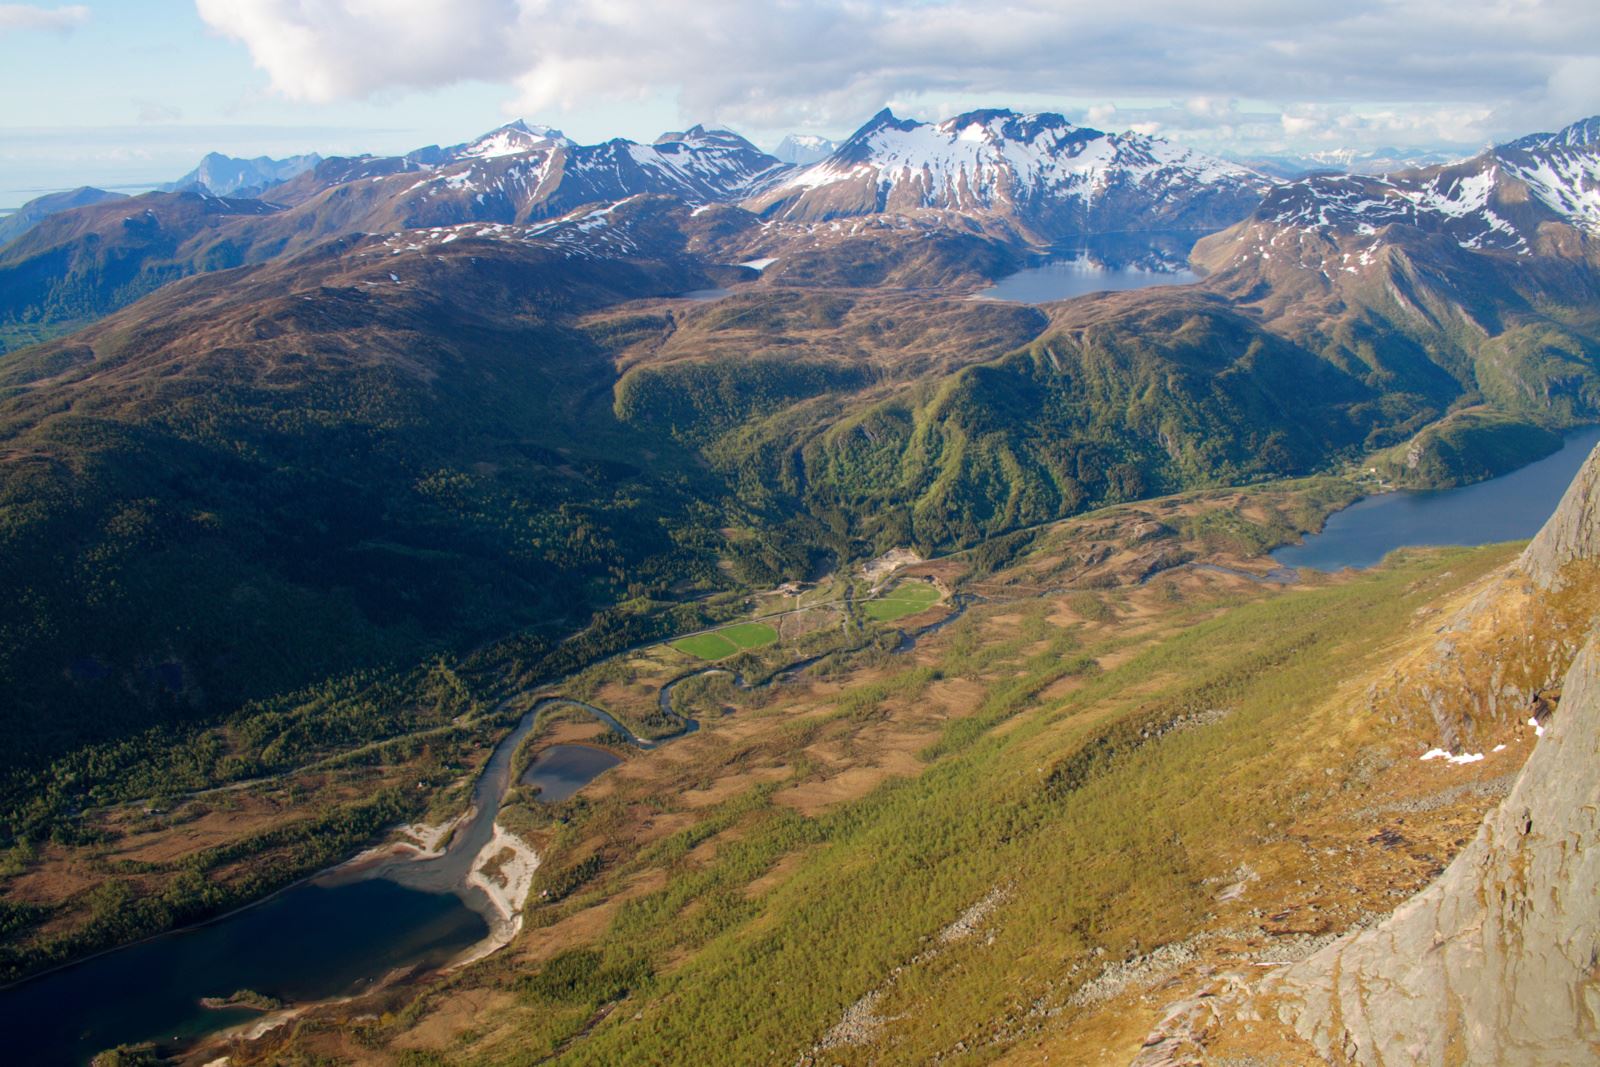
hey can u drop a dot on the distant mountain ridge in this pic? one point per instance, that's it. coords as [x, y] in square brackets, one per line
[223, 175]
[803, 149]
[1386, 160]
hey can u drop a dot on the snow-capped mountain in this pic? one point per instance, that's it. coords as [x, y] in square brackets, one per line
[522, 172]
[1497, 200]
[1561, 170]
[1038, 172]
[227, 175]
[513, 139]
[711, 165]
[804, 149]
[552, 176]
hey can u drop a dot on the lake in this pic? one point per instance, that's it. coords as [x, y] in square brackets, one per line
[1509, 508]
[1103, 263]
[305, 944]
[561, 770]
[334, 935]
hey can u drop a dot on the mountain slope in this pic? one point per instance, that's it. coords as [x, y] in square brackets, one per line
[259, 477]
[78, 264]
[1458, 278]
[29, 215]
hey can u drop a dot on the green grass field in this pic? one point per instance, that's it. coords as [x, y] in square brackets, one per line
[719, 644]
[907, 598]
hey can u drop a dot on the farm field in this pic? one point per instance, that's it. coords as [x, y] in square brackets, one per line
[907, 598]
[720, 644]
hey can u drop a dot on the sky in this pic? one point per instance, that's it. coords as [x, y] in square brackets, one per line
[132, 92]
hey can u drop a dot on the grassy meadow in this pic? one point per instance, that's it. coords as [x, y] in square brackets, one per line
[720, 644]
[907, 598]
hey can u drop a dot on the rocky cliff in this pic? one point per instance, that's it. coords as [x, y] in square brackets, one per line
[1573, 532]
[1497, 962]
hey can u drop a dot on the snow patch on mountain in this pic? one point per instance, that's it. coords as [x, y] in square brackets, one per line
[1496, 200]
[512, 139]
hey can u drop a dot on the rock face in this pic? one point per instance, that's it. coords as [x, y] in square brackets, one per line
[1573, 532]
[1498, 962]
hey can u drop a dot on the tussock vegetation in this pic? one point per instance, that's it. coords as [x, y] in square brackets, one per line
[1111, 808]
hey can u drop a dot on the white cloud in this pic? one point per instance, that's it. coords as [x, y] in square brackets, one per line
[33, 17]
[1456, 70]
[324, 50]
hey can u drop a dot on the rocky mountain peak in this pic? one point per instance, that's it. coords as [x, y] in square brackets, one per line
[1580, 134]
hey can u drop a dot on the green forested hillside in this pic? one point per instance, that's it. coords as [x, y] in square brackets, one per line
[278, 480]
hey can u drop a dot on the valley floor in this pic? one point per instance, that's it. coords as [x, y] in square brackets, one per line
[1018, 841]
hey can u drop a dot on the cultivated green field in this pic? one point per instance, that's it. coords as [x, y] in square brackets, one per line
[722, 643]
[907, 598]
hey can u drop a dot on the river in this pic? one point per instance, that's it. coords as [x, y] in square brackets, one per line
[337, 934]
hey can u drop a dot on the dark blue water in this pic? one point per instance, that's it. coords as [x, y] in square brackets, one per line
[561, 770]
[333, 936]
[304, 944]
[1509, 508]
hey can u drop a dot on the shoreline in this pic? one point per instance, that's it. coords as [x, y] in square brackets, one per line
[506, 899]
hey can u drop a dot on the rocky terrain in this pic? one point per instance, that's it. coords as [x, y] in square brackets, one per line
[1495, 963]
[1492, 961]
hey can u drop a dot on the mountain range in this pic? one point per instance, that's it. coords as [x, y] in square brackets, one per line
[1340, 314]
[1019, 180]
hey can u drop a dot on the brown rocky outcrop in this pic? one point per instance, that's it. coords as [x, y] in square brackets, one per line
[1498, 659]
